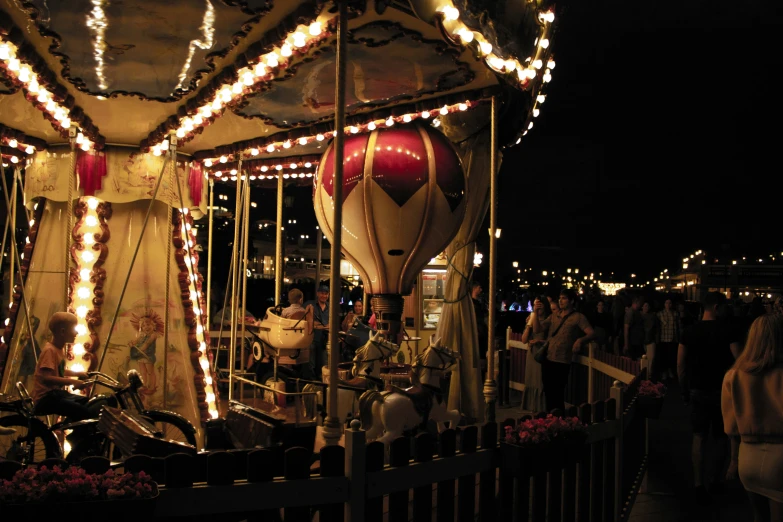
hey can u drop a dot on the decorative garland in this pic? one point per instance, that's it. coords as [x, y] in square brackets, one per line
[26, 256]
[14, 139]
[194, 304]
[24, 68]
[90, 235]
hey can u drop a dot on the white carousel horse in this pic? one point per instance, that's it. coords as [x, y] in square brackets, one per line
[387, 415]
[366, 373]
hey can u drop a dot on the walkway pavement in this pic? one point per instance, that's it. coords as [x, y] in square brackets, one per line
[670, 475]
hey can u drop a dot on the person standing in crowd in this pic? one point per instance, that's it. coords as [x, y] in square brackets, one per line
[668, 337]
[650, 321]
[633, 330]
[320, 309]
[602, 323]
[752, 407]
[350, 317]
[569, 331]
[533, 399]
[481, 318]
[706, 352]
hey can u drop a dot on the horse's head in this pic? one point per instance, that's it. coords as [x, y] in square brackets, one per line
[376, 349]
[436, 358]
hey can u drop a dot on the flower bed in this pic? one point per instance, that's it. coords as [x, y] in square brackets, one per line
[54, 492]
[548, 443]
[649, 400]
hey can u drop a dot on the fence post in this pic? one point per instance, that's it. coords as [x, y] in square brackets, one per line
[355, 469]
[590, 355]
[646, 365]
[616, 393]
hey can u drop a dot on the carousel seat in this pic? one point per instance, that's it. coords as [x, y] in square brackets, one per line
[284, 339]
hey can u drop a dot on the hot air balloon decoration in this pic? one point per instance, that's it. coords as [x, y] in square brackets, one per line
[403, 201]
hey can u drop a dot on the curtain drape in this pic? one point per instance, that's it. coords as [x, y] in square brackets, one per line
[457, 326]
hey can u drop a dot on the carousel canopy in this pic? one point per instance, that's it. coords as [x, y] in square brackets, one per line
[256, 76]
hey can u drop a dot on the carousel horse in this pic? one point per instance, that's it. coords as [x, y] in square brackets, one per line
[389, 414]
[363, 373]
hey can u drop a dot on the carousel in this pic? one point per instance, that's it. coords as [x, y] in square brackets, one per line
[118, 120]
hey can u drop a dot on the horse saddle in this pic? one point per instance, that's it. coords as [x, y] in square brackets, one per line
[365, 382]
[421, 395]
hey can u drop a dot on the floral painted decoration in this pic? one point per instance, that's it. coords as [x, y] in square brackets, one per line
[651, 389]
[548, 429]
[74, 485]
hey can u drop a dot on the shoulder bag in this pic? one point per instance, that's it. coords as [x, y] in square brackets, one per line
[540, 355]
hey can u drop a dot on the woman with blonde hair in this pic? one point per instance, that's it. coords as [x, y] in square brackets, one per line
[752, 405]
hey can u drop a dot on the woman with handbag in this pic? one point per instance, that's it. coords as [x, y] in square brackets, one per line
[533, 398]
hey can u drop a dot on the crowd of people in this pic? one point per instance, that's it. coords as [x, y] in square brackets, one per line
[726, 358]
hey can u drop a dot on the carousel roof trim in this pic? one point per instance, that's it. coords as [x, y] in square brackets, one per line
[275, 52]
[24, 68]
[15, 143]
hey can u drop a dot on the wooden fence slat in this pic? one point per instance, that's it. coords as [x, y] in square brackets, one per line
[422, 496]
[375, 455]
[220, 468]
[240, 463]
[297, 467]
[399, 456]
[569, 492]
[583, 471]
[538, 496]
[200, 466]
[487, 505]
[597, 478]
[178, 470]
[332, 465]
[448, 448]
[467, 485]
[261, 468]
[555, 495]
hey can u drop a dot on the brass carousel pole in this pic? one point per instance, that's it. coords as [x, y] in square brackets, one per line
[332, 425]
[12, 215]
[234, 282]
[245, 240]
[209, 252]
[490, 387]
[319, 245]
[279, 265]
[173, 178]
[68, 215]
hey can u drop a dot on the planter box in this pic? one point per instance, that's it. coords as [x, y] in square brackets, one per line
[649, 407]
[85, 511]
[523, 461]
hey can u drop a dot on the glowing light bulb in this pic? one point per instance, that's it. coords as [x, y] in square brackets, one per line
[547, 76]
[50, 106]
[354, 130]
[24, 74]
[14, 64]
[444, 110]
[271, 60]
[279, 167]
[254, 152]
[463, 106]
[485, 47]
[217, 105]
[81, 311]
[270, 148]
[77, 368]
[91, 221]
[89, 238]
[299, 39]
[225, 94]
[88, 257]
[541, 98]
[248, 79]
[223, 159]
[320, 137]
[204, 363]
[5, 52]
[78, 348]
[13, 143]
[544, 43]
[425, 114]
[286, 50]
[466, 35]
[85, 274]
[538, 64]
[371, 126]
[83, 292]
[549, 16]
[180, 133]
[287, 144]
[237, 88]
[43, 96]
[302, 141]
[208, 163]
[390, 121]
[264, 168]
[450, 13]
[198, 119]
[213, 414]
[536, 112]
[550, 64]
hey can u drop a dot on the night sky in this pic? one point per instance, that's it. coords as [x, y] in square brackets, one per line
[657, 138]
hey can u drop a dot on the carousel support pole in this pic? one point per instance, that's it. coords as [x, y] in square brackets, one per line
[246, 239]
[490, 387]
[133, 262]
[234, 282]
[12, 216]
[209, 253]
[332, 425]
[319, 245]
[14, 251]
[173, 178]
[279, 264]
[68, 216]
